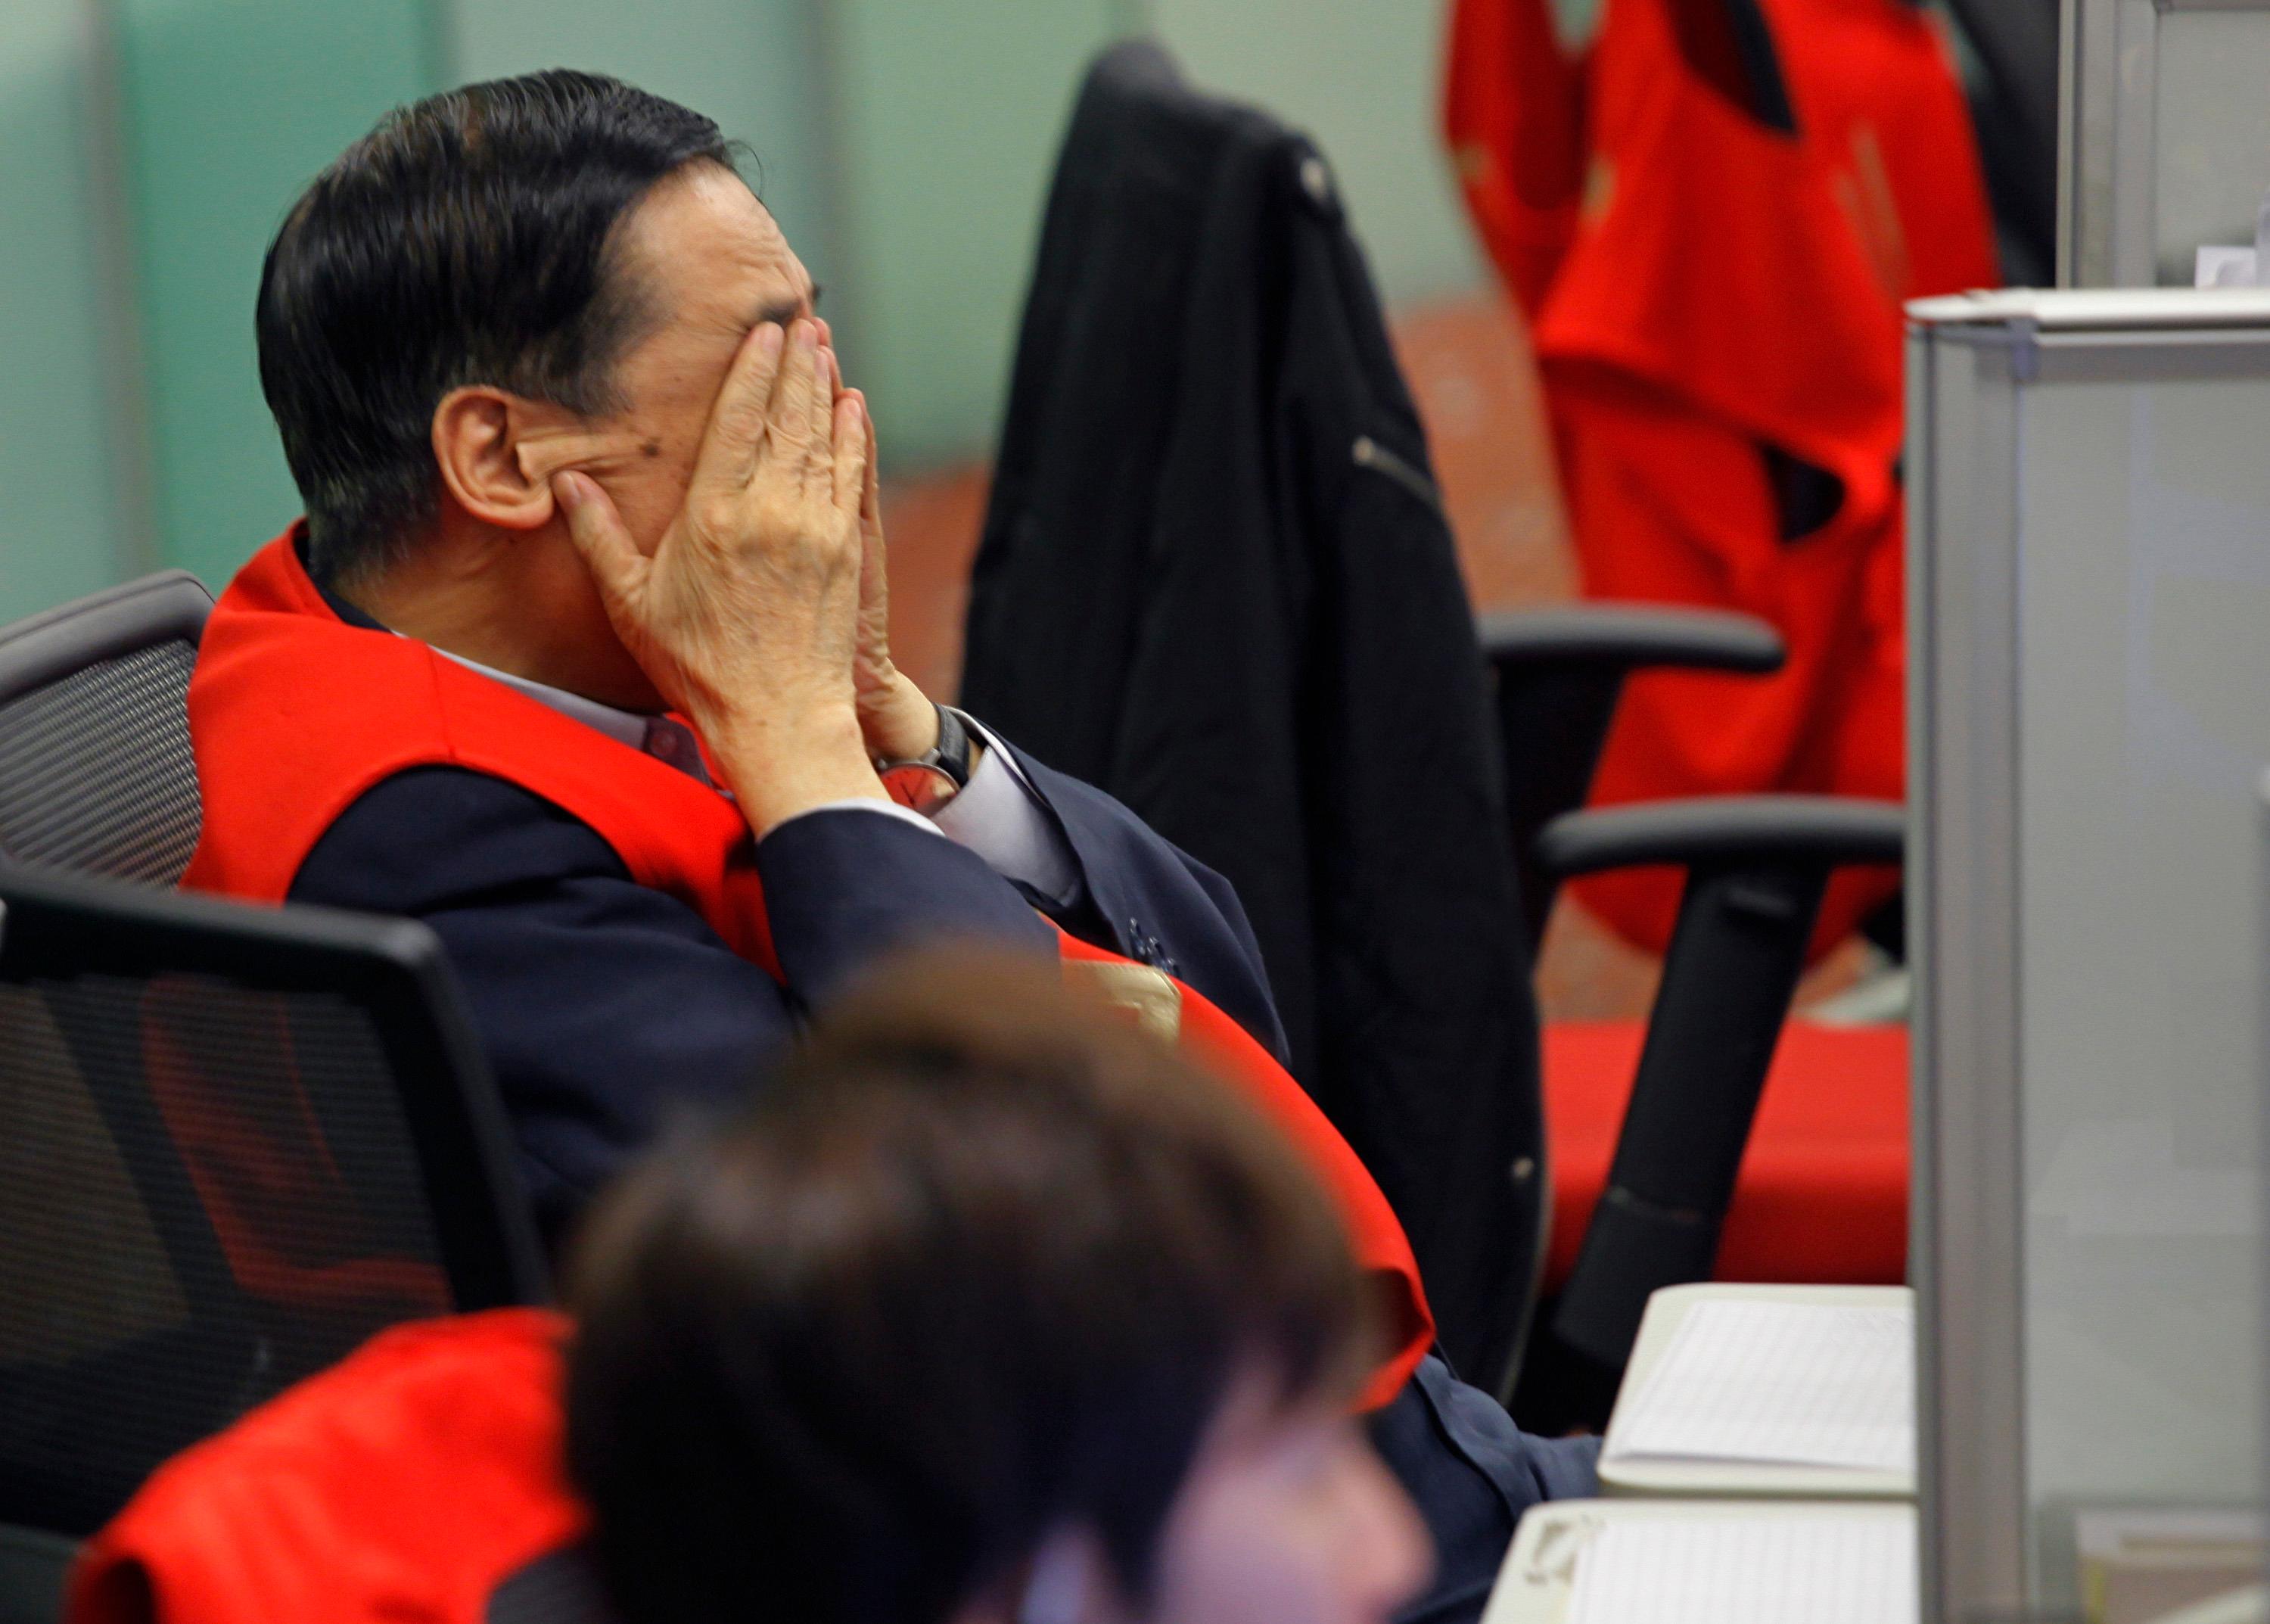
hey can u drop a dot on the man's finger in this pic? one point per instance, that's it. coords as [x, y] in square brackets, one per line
[595, 527]
[790, 421]
[852, 455]
[870, 499]
[735, 437]
[820, 467]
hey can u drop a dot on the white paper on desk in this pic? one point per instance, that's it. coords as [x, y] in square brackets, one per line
[1758, 1568]
[1814, 1385]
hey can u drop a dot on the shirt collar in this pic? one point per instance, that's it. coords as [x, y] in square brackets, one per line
[655, 736]
[624, 727]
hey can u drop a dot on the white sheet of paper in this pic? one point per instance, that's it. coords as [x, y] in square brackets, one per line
[2217, 266]
[1750, 1569]
[1780, 1383]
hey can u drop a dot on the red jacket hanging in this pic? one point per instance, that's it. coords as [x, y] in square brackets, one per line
[1763, 185]
[1514, 96]
[295, 714]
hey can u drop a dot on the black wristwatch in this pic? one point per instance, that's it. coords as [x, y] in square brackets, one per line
[931, 780]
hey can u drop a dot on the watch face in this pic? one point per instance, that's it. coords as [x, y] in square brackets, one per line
[924, 789]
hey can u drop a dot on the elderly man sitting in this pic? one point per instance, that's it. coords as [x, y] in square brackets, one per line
[581, 656]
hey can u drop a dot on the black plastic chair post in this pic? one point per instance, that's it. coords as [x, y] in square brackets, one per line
[1553, 724]
[1728, 979]
[1560, 674]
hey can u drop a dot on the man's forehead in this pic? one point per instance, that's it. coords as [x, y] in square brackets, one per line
[714, 253]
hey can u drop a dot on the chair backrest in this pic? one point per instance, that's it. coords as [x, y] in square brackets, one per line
[32, 1568]
[234, 1143]
[95, 770]
[1217, 582]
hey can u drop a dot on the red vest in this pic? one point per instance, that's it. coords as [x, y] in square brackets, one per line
[1698, 284]
[293, 713]
[405, 1484]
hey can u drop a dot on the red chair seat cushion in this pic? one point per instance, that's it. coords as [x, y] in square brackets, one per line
[1822, 1197]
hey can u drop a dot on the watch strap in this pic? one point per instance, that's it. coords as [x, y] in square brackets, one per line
[927, 782]
[950, 754]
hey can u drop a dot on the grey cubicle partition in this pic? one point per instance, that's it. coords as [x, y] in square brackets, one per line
[2089, 706]
[2262, 1078]
[2164, 136]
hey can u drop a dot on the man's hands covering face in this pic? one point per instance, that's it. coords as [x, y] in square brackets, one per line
[748, 616]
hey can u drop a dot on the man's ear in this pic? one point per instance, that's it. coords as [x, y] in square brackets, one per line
[479, 445]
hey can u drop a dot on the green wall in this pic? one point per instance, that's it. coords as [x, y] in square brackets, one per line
[906, 146]
[950, 117]
[758, 67]
[232, 105]
[1362, 80]
[61, 532]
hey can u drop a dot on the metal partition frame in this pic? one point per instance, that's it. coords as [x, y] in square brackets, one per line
[2262, 1074]
[1977, 438]
[1963, 936]
[2146, 158]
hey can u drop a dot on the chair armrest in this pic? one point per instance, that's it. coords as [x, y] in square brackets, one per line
[1825, 828]
[1756, 869]
[1630, 635]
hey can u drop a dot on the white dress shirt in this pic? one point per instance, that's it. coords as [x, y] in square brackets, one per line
[998, 815]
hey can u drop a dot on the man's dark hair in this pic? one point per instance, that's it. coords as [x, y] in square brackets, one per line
[980, 1263]
[466, 240]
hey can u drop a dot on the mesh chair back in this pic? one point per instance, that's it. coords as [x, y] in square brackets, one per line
[234, 1143]
[95, 770]
[34, 1568]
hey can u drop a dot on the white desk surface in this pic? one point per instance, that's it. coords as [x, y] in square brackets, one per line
[1745, 1479]
[1533, 1586]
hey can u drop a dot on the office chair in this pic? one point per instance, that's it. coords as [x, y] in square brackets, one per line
[1755, 867]
[1556, 674]
[95, 769]
[32, 1568]
[234, 1143]
[1671, 1170]
[1064, 580]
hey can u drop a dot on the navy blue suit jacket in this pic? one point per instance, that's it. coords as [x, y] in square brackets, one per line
[605, 1007]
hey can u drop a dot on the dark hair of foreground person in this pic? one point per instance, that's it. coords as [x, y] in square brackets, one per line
[982, 1262]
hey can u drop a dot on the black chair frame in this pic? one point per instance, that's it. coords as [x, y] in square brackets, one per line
[54, 924]
[1560, 673]
[48, 646]
[1757, 868]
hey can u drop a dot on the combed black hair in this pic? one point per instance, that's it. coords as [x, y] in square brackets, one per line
[467, 239]
[978, 1264]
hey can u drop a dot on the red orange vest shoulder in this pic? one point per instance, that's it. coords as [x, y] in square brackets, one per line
[293, 713]
[408, 1483]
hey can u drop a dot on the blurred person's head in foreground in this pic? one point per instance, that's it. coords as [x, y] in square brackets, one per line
[989, 1308]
